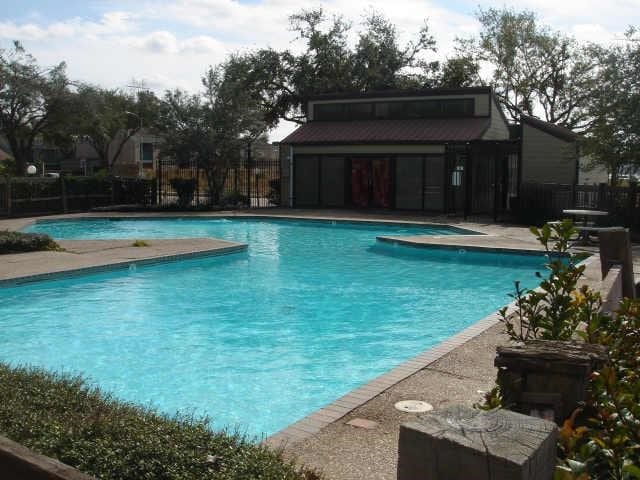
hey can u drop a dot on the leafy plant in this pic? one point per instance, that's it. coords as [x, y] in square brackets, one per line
[607, 444]
[557, 307]
[14, 242]
[234, 199]
[185, 188]
[141, 243]
[62, 417]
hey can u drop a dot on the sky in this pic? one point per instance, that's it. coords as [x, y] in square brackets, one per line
[169, 43]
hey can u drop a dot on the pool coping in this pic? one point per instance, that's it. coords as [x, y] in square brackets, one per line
[123, 264]
[225, 215]
[342, 406]
[453, 246]
[312, 423]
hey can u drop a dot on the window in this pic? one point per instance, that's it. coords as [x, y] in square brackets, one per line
[359, 111]
[457, 107]
[329, 111]
[401, 109]
[147, 155]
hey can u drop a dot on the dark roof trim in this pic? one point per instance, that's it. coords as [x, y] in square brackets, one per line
[400, 93]
[554, 130]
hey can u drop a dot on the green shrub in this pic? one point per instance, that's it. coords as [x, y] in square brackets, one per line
[234, 200]
[557, 307]
[141, 243]
[60, 416]
[14, 242]
[185, 189]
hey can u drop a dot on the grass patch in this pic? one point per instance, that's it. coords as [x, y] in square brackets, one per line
[141, 243]
[15, 242]
[62, 417]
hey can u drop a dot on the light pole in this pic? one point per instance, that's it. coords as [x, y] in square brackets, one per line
[139, 138]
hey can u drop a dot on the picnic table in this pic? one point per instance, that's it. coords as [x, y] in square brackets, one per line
[585, 223]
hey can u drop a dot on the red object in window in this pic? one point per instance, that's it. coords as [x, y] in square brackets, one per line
[380, 180]
[360, 183]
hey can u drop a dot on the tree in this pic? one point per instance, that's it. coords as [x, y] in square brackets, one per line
[458, 72]
[109, 118]
[31, 98]
[381, 63]
[281, 81]
[212, 127]
[614, 137]
[535, 70]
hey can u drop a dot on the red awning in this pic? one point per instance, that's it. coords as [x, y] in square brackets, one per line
[391, 131]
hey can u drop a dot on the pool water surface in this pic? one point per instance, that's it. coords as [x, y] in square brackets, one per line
[256, 339]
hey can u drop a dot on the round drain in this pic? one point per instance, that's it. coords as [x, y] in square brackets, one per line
[413, 406]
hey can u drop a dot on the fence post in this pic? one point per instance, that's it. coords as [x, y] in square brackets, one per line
[63, 194]
[602, 197]
[9, 194]
[113, 191]
[615, 248]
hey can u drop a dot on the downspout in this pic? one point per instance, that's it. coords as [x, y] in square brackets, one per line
[290, 176]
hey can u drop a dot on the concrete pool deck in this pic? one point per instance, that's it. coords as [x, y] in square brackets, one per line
[453, 372]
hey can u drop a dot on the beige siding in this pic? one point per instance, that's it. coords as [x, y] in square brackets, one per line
[367, 149]
[498, 129]
[546, 158]
[481, 101]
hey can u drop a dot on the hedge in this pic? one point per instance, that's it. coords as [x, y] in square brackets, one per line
[13, 242]
[62, 417]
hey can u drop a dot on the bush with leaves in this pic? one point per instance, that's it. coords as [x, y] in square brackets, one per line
[602, 440]
[15, 242]
[185, 189]
[60, 416]
[554, 310]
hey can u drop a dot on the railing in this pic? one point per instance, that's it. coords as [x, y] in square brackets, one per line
[22, 196]
[254, 183]
[541, 202]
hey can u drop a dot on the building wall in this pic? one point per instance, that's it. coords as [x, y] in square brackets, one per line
[482, 102]
[498, 130]
[546, 158]
[320, 179]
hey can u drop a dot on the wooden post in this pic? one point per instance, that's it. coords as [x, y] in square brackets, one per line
[461, 443]
[63, 195]
[9, 194]
[547, 378]
[602, 197]
[615, 248]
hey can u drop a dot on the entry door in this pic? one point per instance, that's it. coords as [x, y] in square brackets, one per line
[370, 182]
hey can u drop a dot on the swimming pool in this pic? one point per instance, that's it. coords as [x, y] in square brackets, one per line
[256, 339]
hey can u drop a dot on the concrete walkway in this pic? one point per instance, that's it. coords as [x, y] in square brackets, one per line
[92, 255]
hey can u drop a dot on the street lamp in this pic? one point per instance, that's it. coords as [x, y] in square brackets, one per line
[139, 137]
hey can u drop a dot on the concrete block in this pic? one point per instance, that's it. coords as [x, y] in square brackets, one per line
[462, 443]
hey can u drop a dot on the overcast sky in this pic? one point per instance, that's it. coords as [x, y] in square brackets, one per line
[169, 43]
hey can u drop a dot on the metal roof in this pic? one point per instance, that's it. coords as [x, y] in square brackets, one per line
[391, 131]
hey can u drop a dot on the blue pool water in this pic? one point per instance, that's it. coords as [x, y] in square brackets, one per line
[256, 339]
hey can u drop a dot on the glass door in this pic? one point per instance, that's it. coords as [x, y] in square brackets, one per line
[370, 182]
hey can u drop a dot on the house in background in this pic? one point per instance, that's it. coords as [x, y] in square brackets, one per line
[435, 150]
[138, 156]
[549, 152]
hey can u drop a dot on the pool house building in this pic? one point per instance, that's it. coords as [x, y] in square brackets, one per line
[437, 150]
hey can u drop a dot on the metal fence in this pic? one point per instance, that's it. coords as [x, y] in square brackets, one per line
[541, 202]
[245, 183]
[23, 196]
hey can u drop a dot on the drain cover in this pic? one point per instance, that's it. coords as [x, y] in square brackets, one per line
[413, 406]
